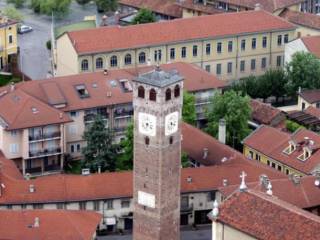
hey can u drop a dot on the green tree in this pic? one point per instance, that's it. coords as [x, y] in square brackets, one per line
[125, 160]
[107, 5]
[58, 7]
[236, 111]
[247, 86]
[83, 2]
[100, 150]
[17, 3]
[278, 80]
[303, 71]
[292, 126]
[144, 16]
[185, 160]
[189, 109]
[13, 13]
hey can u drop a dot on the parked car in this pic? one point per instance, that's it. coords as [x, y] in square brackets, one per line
[24, 29]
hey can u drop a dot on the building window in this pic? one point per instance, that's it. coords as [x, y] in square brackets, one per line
[152, 95]
[168, 94]
[243, 45]
[253, 64]
[287, 171]
[229, 67]
[230, 46]
[279, 61]
[303, 105]
[286, 38]
[183, 52]
[242, 65]
[264, 42]
[171, 140]
[14, 148]
[176, 91]
[208, 68]
[208, 48]
[99, 63]
[141, 92]
[219, 47]
[279, 40]
[109, 204]
[113, 61]
[60, 205]
[84, 65]
[125, 203]
[157, 55]
[78, 147]
[195, 50]
[268, 162]
[147, 140]
[96, 205]
[258, 157]
[10, 39]
[263, 63]
[279, 168]
[82, 205]
[172, 53]
[38, 206]
[74, 114]
[254, 43]
[142, 57]
[273, 165]
[13, 133]
[218, 70]
[127, 59]
[72, 148]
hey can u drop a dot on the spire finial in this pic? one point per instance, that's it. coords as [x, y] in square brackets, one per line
[243, 185]
[269, 187]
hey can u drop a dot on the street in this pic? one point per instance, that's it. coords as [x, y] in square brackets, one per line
[35, 57]
[204, 234]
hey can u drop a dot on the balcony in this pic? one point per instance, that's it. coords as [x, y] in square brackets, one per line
[54, 167]
[44, 152]
[44, 136]
[185, 208]
[34, 170]
[123, 113]
[120, 129]
[90, 117]
[202, 101]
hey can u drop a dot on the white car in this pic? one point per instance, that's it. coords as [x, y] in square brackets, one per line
[24, 29]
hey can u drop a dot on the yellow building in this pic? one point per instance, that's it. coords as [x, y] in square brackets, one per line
[8, 42]
[294, 153]
[231, 46]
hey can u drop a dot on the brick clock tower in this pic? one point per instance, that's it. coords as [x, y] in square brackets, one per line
[157, 102]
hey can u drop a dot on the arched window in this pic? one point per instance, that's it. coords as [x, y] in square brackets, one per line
[141, 92]
[176, 91]
[127, 59]
[113, 61]
[171, 140]
[99, 63]
[168, 94]
[142, 57]
[147, 140]
[153, 95]
[84, 65]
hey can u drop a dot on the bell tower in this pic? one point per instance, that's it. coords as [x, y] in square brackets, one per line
[157, 102]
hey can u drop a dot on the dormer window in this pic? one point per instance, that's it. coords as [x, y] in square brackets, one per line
[152, 95]
[307, 152]
[82, 91]
[291, 148]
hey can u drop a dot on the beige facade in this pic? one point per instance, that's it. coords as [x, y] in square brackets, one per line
[215, 55]
[222, 231]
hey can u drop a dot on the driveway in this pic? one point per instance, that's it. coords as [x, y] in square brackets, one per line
[35, 57]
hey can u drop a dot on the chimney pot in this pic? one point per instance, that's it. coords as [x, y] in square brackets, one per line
[205, 153]
[189, 179]
[36, 222]
[222, 131]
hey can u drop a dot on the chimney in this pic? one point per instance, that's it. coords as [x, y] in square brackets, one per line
[189, 179]
[222, 131]
[85, 171]
[27, 176]
[12, 87]
[99, 169]
[295, 179]
[257, 7]
[264, 181]
[225, 182]
[36, 222]
[60, 115]
[32, 189]
[105, 71]
[205, 153]
[269, 191]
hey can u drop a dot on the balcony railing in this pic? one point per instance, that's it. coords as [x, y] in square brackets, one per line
[120, 113]
[52, 168]
[91, 117]
[44, 152]
[45, 136]
[120, 129]
[33, 170]
[186, 207]
[200, 101]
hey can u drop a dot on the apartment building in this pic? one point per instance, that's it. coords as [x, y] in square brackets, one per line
[292, 154]
[114, 200]
[8, 42]
[231, 46]
[51, 115]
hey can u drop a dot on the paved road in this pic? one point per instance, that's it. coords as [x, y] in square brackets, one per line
[35, 57]
[185, 235]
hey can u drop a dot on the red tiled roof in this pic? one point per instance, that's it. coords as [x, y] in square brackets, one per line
[303, 194]
[66, 188]
[313, 43]
[211, 26]
[195, 79]
[311, 96]
[264, 113]
[272, 142]
[23, 111]
[53, 224]
[313, 111]
[268, 218]
[190, 4]
[165, 7]
[301, 18]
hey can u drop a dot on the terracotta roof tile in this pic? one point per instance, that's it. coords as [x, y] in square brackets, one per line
[190, 4]
[301, 18]
[211, 26]
[53, 224]
[313, 111]
[311, 96]
[273, 218]
[313, 43]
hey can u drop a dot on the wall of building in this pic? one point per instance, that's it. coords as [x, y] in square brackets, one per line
[222, 231]
[7, 48]
[293, 47]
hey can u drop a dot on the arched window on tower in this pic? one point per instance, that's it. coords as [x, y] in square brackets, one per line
[177, 91]
[153, 95]
[141, 92]
[168, 94]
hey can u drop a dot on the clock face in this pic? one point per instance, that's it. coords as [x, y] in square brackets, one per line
[147, 124]
[171, 123]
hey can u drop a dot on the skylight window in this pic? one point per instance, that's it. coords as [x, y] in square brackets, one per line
[126, 85]
[82, 91]
[34, 110]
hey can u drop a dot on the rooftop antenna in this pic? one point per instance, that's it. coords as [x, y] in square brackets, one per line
[243, 186]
